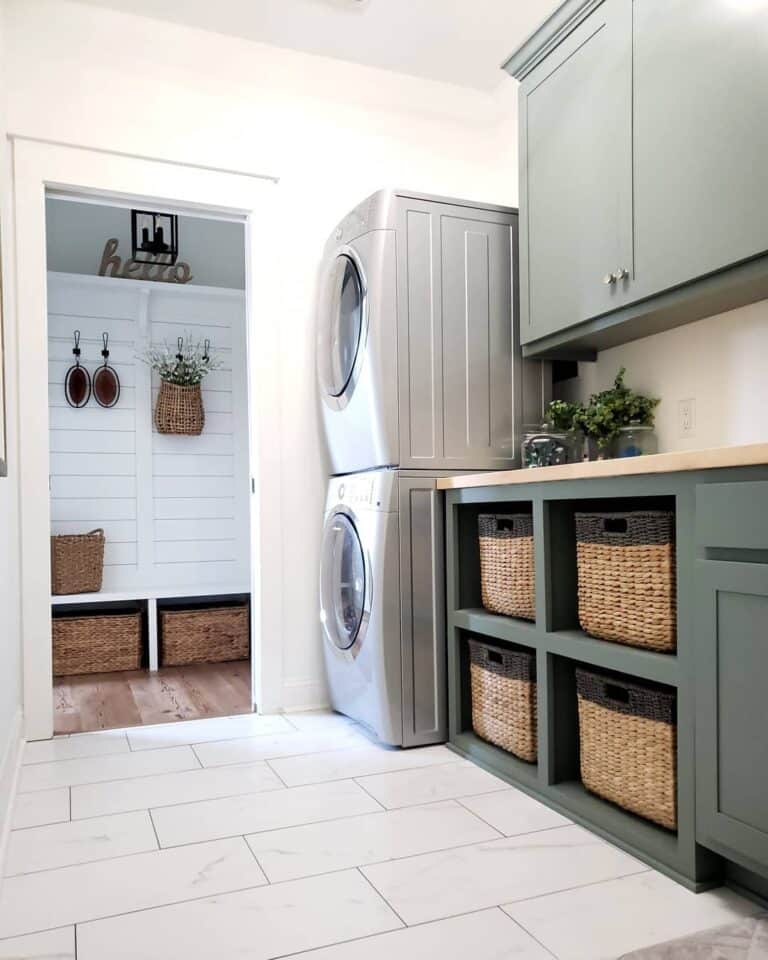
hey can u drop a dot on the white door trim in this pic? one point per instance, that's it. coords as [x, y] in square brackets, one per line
[38, 166]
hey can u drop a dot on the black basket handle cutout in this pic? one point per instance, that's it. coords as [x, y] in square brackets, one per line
[504, 524]
[616, 693]
[494, 656]
[615, 525]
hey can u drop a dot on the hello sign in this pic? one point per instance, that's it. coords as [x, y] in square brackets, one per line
[161, 272]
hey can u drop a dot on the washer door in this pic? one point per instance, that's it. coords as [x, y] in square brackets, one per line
[345, 587]
[342, 328]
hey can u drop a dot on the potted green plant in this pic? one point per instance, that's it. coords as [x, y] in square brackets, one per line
[179, 408]
[608, 411]
[557, 440]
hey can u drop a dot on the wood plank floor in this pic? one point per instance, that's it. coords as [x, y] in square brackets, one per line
[102, 701]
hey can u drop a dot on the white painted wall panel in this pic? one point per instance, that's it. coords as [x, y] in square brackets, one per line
[174, 509]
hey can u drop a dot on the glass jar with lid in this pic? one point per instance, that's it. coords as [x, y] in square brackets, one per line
[636, 440]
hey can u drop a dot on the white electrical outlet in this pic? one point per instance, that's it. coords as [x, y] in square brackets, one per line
[687, 418]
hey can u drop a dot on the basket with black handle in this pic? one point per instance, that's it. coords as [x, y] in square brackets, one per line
[628, 744]
[627, 582]
[507, 575]
[503, 685]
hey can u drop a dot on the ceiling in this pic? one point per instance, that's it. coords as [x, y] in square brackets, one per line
[458, 41]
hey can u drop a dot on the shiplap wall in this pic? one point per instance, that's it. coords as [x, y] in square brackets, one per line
[174, 509]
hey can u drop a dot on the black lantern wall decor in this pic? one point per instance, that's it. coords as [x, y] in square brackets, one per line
[154, 237]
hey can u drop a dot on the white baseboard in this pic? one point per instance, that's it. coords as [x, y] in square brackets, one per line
[10, 762]
[304, 695]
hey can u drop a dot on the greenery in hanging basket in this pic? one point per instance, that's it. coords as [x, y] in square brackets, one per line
[187, 366]
[610, 410]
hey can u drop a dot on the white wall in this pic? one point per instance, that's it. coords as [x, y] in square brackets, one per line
[332, 131]
[76, 234]
[10, 636]
[720, 362]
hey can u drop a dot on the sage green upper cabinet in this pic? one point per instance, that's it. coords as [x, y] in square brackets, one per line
[643, 161]
[700, 138]
[576, 175]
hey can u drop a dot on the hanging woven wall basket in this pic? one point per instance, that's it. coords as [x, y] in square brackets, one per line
[180, 409]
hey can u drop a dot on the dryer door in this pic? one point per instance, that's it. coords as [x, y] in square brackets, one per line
[345, 584]
[342, 328]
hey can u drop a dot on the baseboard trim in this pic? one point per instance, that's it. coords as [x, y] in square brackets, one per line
[304, 695]
[9, 778]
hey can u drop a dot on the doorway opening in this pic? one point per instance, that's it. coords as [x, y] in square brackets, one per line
[150, 481]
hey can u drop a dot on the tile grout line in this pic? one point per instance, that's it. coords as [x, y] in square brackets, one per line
[154, 828]
[176, 803]
[381, 895]
[127, 913]
[509, 836]
[383, 933]
[259, 864]
[238, 763]
[277, 775]
[379, 773]
[368, 792]
[526, 931]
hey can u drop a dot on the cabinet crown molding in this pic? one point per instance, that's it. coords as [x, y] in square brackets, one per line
[545, 38]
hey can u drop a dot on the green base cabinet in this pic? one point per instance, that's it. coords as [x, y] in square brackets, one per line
[719, 670]
[732, 676]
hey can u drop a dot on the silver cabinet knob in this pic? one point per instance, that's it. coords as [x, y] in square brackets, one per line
[621, 274]
[609, 278]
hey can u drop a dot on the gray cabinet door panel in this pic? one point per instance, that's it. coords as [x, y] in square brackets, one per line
[732, 678]
[422, 590]
[732, 515]
[576, 175]
[420, 339]
[456, 364]
[477, 342]
[700, 140]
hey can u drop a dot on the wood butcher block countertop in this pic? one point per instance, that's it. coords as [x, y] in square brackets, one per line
[754, 454]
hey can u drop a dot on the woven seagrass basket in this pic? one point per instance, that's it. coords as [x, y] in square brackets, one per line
[96, 644]
[627, 581]
[179, 409]
[77, 563]
[507, 577]
[503, 684]
[628, 745]
[210, 635]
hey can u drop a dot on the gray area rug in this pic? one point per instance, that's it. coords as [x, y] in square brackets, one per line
[745, 940]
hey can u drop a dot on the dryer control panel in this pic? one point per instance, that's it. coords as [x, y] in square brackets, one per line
[356, 491]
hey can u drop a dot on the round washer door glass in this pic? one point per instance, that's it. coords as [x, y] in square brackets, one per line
[343, 582]
[344, 317]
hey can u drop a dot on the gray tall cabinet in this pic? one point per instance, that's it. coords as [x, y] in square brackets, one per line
[643, 169]
[463, 388]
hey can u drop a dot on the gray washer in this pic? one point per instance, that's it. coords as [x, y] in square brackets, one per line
[382, 604]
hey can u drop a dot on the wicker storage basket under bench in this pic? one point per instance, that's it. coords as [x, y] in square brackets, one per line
[507, 564]
[96, 644]
[626, 564]
[628, 744]
[209, 635]
[503, 684]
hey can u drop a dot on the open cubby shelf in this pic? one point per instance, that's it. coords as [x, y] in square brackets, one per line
[561, 645]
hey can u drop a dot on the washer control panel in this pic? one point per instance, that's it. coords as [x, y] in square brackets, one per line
[356, 491]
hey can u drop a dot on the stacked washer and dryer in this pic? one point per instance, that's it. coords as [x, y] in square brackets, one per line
[420, 375]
